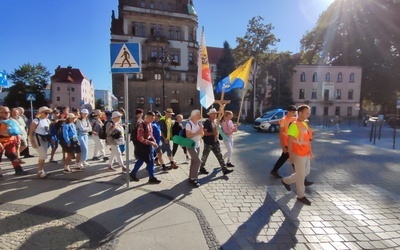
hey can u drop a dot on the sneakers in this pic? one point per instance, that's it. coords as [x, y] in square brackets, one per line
[95, 158]
[110, 168]
[173, 165]
[154, 180]
[308, 183]
[304, 200]
[85, 164]
[53, 161]
[165, 168]
[275, 174]
[20, 172]
[42, 175]
[133, 177]
[230, 165]
[227, 171]
[194, 182]
[287, 186]
[105, 158]
[68, 171]
[29, 156]
[203, 171]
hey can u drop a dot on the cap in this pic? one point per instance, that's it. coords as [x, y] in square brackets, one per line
[45, 109]
[157, 113]
[170, 111]
[115, 114]
[97, 112]
[71, 115]
[212, 111]
[84, 111]
[291, 108]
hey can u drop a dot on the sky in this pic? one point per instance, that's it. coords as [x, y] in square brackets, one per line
[77, 32]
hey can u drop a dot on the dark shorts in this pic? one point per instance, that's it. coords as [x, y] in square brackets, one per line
[73, 148]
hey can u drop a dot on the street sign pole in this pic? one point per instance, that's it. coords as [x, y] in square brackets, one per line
[31, 111]
[126, 99]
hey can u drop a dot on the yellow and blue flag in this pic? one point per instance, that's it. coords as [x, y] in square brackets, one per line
[237, 79]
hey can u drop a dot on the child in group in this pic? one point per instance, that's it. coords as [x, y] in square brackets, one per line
[228, 128]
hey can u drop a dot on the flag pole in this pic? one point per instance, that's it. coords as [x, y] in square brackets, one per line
[241, 106]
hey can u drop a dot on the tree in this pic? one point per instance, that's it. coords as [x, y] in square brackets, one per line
[99, 104]
[28, 79]
[360, 33]
[225, 66]
[256, 43]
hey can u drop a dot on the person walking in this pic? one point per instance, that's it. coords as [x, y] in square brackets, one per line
[228, 128]
[115, 137]
[300, 153]
[99, 144]
[9, 142]
[23, 120]
[70, 144]
[40, 137]
[211, 143]
[284, 123]
[166, 136]
[176, 129]
[157, 136]
[53, 132]
[135, 124]
[83, 128]
[194, 130]
[23, 136]
[145, 145]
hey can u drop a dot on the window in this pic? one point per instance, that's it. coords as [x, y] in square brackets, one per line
[158, 101]
[337, 110]
[72, 89]
[191, 58]
[142, 29]
[349, 110]
[72, 99]
[175, 57]
[153, 29]
[58, 88]
[303, 77]
[171, 32]
[161, 6]
[152, 6]
[140, 101]
[351, 77]
[170, 7]
[327, 77]
[338, 94]
[143, 4]
[302, 94]
[58, 98]
[326, 109]
[350, 94]
[314, 94]
[313, 110]
[190, 36]
[315, 77]
[178, 33]
[339, 77]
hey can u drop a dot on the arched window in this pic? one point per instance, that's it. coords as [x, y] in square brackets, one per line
[339, 77]
[303, 77]
[327, 77]
[315, 77]
[351, 77]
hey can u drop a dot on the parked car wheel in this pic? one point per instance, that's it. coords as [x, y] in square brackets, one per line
[273, 129]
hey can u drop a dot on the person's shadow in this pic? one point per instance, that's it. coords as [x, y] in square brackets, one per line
[245, 236]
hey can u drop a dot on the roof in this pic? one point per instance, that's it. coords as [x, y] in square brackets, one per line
[68, 74]
[214, 54]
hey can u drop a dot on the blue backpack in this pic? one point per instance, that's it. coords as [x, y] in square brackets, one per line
[12, 127]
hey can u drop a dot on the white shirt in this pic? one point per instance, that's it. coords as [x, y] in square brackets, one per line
[43, 126]
[193, 128]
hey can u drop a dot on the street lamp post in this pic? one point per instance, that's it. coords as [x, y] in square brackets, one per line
[164, 59]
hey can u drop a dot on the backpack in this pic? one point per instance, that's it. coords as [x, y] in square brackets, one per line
[102, 132]
[182, 133]
[12, 127]
[60, 135]
[134, 132]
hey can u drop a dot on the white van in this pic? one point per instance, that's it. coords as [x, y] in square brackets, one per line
[269, 121]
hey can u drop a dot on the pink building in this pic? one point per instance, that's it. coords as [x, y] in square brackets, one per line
[328, 90]
[71, 88]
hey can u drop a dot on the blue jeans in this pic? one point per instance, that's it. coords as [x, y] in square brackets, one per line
[149, 167]
[83, 141]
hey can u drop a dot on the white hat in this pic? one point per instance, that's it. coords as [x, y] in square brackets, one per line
[71, 115]
[45, 109]
[212, 111]
[115, 114]
[85, 111]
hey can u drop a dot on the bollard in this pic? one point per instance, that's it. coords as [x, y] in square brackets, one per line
[372, 130]
[375, 132]
[380, 130]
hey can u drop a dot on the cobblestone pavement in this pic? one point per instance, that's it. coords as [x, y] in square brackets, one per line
[355, 198]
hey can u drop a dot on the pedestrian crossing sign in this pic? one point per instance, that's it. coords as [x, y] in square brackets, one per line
[125, 57]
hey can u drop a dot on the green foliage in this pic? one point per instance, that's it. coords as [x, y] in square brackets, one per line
[99, 104]
[28, 79]
[362, 33]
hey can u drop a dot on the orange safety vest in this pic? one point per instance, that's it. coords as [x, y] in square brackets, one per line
[285, 123]
[301, 144]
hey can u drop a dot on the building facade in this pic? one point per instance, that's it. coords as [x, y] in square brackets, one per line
[109, 101]
[166, 31]
[328, 90]
[71, 88]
